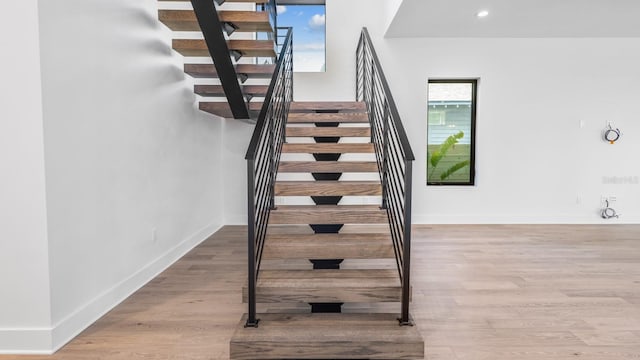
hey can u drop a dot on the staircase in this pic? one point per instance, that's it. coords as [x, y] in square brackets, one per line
[235, 83]
[329, 251]
[329, 192]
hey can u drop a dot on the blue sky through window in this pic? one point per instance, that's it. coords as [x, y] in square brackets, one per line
[308, 22]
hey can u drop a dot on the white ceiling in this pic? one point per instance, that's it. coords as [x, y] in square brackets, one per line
[517, 18]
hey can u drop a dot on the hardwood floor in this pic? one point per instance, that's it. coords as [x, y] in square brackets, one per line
[494, 292]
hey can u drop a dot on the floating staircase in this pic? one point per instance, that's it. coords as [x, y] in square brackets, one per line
[323, 264]
[246, 54]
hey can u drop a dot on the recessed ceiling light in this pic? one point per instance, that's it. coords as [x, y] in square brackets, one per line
[482, 13]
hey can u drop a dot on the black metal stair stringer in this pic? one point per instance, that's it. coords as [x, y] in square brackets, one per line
[326, 228]
[213, 31]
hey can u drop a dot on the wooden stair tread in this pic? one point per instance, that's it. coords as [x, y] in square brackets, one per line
[344, 285]
[305, 118]
[209, 71]
[310, 106]
[328, 214]
[243, 21]
[218, 90]
[255, 90]
[209, 90]
[179, 20]
[222, 108]
[328, 246]
[198, 47]
[328, 131]
[328, 188]
[327, 166]
[326, 336]
[253, 48]
[247, 21]
[328, 148]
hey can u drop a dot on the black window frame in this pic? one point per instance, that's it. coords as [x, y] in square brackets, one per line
[474, 108]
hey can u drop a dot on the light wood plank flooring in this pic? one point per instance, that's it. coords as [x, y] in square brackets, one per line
[494, 292]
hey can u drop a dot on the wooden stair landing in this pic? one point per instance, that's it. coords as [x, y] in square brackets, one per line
[326, 336]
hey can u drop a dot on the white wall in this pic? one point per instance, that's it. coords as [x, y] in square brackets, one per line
[25, 316]
[534, 162]
[391, 10]
[133, 169]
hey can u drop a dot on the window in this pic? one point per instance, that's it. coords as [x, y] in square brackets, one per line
[308, 22]
[451, 119]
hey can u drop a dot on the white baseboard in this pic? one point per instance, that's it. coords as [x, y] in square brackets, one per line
[520, 219]
[72, 325]
[32, 341]
[49, 340]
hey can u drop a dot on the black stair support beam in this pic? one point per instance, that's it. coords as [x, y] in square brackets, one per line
[213, 31]
[326, 228]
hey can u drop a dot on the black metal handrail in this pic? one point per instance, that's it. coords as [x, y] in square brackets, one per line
[271, 7]
[263, 157]
[394, 156]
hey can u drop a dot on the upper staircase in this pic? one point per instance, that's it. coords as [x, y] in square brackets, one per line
[241, 38]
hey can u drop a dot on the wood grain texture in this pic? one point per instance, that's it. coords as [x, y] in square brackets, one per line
[352, 336]
[328, 188]
[560, 292]
[345, 285]
[179, 20]
[209, 90]
[328, 214]
[328, 131]
[328, 246]
[328, 148]
[191, 47]
[310, 106]
[255, 90]
[218, 90]
[209, 71]
[222, 108]
[306, 118]
[251, 48]
[327, 166]
[247, 21]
